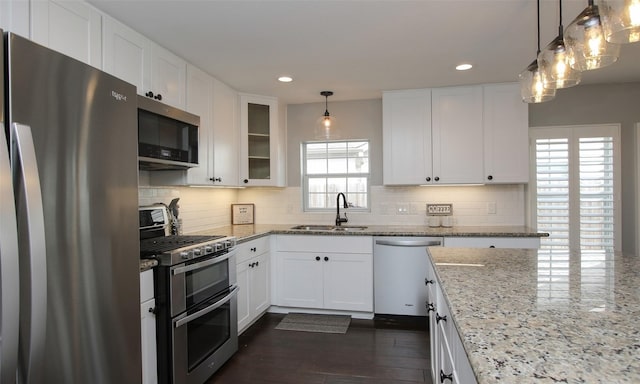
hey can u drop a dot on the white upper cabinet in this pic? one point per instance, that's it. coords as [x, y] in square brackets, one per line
[132, 57]
[226, 135]
[14, 17]
[200, 102]
[70, 27]
[506, 137]
[457, 135]
[216, 104]
[406, 137]
[259, 142]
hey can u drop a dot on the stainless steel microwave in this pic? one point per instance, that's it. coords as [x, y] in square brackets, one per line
[167, 136]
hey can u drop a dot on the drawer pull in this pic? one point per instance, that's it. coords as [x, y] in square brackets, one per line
[430, 307]
[438, 318]
[444, 377]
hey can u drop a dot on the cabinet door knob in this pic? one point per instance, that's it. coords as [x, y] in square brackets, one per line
[438, 318]
[253, 249]
[245, 181]
[437, 178]
[428, 281]
[149, 94]
[317, 258]
[430, 307]
[153, 310]
[326, 258]
[428, 179]
[158, 97]
[444, 377]
[492, 246]
[489, 177]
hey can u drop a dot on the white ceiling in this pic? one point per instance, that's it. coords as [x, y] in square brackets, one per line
[356, 48]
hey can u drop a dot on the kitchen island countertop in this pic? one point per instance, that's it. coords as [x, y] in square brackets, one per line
[540, 316]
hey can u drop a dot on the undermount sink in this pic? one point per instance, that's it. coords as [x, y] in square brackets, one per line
[350, 228]
[344, 228]
[314, 227]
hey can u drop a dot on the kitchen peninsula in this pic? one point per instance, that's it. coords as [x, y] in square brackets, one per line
[543, 316]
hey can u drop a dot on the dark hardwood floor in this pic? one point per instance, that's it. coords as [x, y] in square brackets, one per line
[384, 350]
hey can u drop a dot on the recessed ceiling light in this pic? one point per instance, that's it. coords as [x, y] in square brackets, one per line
[285, 79]
[464, 67]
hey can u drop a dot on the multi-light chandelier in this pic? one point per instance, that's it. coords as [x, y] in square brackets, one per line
[591, 41]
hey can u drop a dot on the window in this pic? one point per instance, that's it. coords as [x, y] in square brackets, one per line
[332, 167]
[577, 186]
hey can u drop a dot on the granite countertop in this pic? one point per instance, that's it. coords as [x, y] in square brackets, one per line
[245, 233]
[249, 232]
[147, 264]
[540, 316]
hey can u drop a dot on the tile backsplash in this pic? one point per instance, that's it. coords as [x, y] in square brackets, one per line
[203, 208]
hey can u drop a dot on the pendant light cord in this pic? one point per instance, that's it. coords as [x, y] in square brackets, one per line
[538, 7]
[560, 27]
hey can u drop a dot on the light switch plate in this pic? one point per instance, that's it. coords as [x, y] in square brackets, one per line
[439, 209]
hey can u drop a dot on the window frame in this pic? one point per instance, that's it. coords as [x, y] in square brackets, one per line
[305, 176]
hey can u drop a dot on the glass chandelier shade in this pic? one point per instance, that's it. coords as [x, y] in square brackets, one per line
[533, 87]
[621, 20]
[533, 82]
[553, 61]
[585, 41]
[325, 126]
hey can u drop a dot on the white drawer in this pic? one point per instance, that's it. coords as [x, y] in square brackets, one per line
[324, 244]
[252, 248]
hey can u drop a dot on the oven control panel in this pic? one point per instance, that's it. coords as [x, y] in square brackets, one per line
[196, 250]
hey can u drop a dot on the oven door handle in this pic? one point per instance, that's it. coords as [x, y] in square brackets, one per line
[212, 307]
[203, 264]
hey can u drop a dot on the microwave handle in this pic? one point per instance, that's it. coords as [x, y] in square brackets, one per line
[203, 264]
[216, 305]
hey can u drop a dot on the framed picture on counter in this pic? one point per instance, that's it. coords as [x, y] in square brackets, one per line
[242, 213]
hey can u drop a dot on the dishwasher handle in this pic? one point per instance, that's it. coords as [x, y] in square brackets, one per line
[410, 243]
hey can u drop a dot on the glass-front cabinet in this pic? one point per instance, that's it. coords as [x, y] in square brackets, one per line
[260, 141]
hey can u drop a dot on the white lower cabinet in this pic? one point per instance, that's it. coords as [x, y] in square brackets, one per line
[493, 242]
[148, 328]
[449, 361]
[324, 272]
[254, 280]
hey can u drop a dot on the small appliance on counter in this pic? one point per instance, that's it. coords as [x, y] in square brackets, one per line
[196, 301]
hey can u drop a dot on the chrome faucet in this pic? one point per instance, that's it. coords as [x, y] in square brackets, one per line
[340, 220]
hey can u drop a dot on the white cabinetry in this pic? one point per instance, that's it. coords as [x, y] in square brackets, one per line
[254, 278]
[325, 272]
[449, 361]
[493, 242]
[225, 135]
[406, 137]
[457, 135]
[14, 17]
[259, 141]
[148, 328]
[132, 57]
[70, 27]
[506, 135]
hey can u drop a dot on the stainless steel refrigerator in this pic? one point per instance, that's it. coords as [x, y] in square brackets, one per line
[69, 246]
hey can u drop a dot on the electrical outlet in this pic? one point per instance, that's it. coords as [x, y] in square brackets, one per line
[491, 208]
[402, 208]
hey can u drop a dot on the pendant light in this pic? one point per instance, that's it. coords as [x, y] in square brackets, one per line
[553, 61]
[326, 119]
[325, 126]
[585, 41]
[532, 80]
[621, 20]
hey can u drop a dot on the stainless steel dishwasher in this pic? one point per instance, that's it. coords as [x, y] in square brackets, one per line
[400, 268]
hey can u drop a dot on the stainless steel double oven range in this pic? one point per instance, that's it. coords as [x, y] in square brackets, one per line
[196, 302]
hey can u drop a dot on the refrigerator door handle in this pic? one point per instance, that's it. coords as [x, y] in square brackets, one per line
[9, 270]
[26, 182]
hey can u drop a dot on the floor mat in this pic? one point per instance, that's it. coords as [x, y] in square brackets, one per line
[308, 322]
